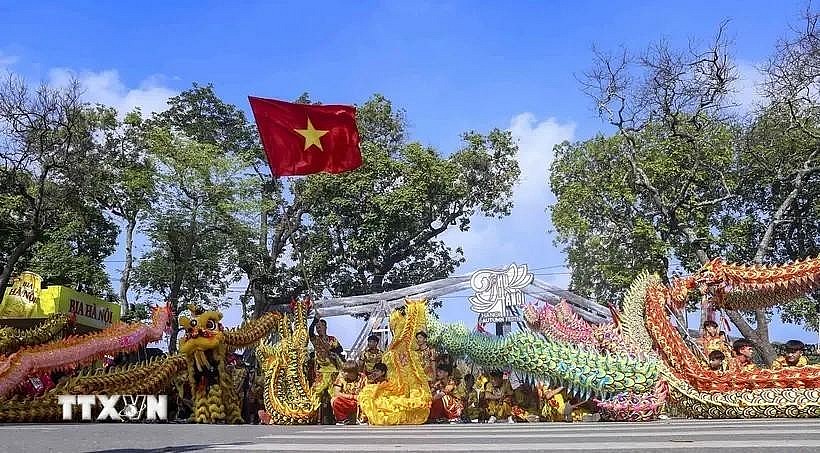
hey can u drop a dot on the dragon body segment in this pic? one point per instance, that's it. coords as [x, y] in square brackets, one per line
[561, 323]
[52, 328]
[288, 397]
[149, 378]
[202, 361]
[741, 287]
[699, 392]
[581, 370]
[79, 350]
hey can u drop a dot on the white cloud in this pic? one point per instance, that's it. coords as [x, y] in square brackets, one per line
[535, 154]
[107, 88]
[522, 236]
[747, 92]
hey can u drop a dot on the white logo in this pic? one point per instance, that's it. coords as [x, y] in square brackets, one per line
[132, 407]
[498, 291]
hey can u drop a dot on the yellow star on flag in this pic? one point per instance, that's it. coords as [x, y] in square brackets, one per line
[312, 135]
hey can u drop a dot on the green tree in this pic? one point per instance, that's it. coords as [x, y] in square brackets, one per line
[686, 181]
[670, 152]
[132, 187]
[189, 259]
[261, 225]
[609, 239]
[277, 216]
[376, 228]
[48, 164]
[74, 253]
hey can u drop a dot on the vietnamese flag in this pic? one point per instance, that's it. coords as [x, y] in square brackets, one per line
[301, 139]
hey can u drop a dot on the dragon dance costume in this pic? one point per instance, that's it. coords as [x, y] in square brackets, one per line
[404, 398]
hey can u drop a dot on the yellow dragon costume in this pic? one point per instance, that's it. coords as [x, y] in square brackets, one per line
[404, 398]
[205, 346]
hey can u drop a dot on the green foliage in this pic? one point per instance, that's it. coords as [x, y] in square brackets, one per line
[611, 227]
[189, 259]
[375, 228]
[139, 312]
[51, 185]
[73, 255]
[682, 182]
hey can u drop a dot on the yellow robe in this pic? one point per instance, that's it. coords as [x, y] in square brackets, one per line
[780, 362]
[554, 407]
[404, 398]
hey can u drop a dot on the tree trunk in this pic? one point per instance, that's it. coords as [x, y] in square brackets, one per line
[172, 341]
[260, 301]
[173, 299]
[125, 279]
[15, 255]
[255, 287]
[760, 335]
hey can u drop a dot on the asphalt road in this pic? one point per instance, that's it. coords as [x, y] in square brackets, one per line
[690, 436]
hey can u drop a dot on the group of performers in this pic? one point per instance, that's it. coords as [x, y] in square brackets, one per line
[455, 397]
[739, 356]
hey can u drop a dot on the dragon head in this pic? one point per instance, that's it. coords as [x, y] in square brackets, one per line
[204, 337]
[161, 318]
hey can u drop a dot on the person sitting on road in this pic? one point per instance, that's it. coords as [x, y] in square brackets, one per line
[445, 405]
[525, 404]
[716, 359]
[498, 395]
[793, 356]
[554, 403]
[743, 350]
[345, 402]
[471, 400]
[378, 375]
[372, 355]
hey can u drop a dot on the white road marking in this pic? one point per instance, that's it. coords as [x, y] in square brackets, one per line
[781, 444]
[677, 434]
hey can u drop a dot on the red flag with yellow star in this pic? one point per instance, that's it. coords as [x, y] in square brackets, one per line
[301, 139]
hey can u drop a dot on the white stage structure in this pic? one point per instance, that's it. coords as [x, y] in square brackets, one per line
[379, 305]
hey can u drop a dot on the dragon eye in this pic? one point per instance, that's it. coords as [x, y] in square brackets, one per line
[211, 325]
[193, 323]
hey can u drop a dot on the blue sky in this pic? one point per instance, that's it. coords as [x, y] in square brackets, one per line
[454, 66]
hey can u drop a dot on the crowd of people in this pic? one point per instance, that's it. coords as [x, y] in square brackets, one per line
[740, 355]
[460, 394]
[457, 397]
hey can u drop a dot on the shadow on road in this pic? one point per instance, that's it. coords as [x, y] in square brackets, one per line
[177, 449]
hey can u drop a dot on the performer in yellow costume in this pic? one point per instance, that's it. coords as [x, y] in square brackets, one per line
[525, 406]
[404, 399]
[794, 356]
[714, 340]
[372, 355]
[498, 394]
[554, 403]
[328, 357]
